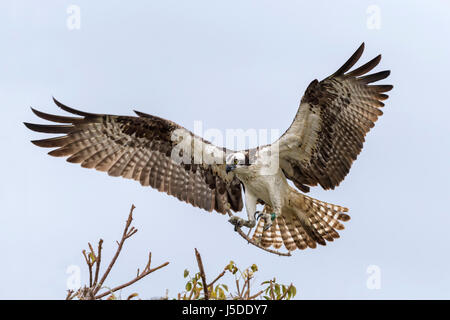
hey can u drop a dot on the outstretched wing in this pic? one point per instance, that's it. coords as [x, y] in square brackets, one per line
[154, 151]
[333, 118]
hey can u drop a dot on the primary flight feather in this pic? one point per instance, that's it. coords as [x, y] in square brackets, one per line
[319, 147]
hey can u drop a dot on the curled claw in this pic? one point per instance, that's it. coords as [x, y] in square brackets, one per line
[236, 221]
[267, 226]
[239, 222]
[268, 217]
[265, 216]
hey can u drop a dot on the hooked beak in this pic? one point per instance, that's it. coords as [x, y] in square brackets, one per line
[230, 167]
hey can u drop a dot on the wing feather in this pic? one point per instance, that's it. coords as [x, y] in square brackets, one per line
[141, 148]
[329, 129]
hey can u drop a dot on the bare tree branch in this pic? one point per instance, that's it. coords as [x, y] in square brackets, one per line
[202, 274]
[91, 292]
[217, 278]
[93, 259]
[89, 264]
[129, 283]
[126, 234]
[70, 294]
[255, 295]
[247, 283]
[238, 289]
[98, 261]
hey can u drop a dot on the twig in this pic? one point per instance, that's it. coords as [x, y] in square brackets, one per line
[255, 295]
[194, 284]
[197, 294]
[218, 277]
[89, 263]
[247, 282]
[238, 289]
[91, 292]
[126, 234]
[202, 273]
[251, 241]
[271, 290]
[98, 261]
[285, 293]
[70, 294]
[129, 283]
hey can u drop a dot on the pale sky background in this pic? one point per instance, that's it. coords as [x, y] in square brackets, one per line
[231, 64]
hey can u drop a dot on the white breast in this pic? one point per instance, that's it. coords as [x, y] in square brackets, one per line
[269, 188]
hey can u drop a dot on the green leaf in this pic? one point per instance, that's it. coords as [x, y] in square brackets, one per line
[221, 293]
[277, 289]
[230, 266]
[189, 286]
[186, 273]
[294, 291]
[254, 267]
[131, 296]
[225, 287]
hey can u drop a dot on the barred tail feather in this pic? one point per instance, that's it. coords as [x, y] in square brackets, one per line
[304, 223]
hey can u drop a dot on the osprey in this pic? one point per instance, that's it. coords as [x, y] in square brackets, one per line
[319, 147]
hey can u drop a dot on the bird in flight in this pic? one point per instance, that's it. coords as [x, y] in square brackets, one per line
[319, 147]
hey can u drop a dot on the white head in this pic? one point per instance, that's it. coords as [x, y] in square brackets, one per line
[235, 161]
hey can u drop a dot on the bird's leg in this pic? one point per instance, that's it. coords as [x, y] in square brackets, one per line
[269, 215]
[268, 218]
[250, 204]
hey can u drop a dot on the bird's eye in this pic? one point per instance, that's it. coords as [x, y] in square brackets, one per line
[235, 161]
